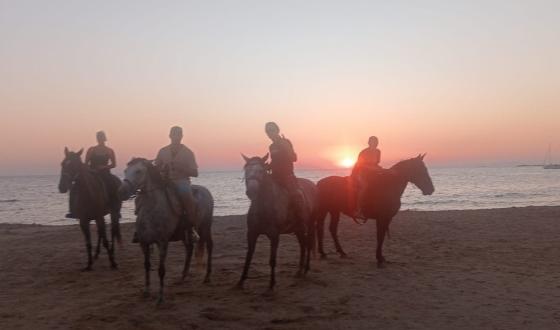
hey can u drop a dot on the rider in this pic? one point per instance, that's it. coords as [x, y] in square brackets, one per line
[367, 163]
[178, 164]
[101, 159]
[282, 158]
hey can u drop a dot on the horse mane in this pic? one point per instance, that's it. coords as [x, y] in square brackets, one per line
[136, 160]
[403, 164]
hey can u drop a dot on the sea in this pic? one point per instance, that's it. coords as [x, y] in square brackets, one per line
[36, 200]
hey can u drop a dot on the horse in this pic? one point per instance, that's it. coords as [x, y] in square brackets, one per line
[381, 201]
[160, 219]
[92, 202]
[271, 214]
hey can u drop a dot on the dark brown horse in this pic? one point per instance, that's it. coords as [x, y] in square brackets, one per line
[271, 214]
[382, 199]
[91, 202]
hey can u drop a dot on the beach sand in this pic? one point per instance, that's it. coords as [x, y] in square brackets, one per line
[481, 269]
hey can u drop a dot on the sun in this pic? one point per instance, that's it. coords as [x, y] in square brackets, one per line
[347, 162]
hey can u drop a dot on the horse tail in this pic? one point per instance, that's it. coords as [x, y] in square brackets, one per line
[199, 252]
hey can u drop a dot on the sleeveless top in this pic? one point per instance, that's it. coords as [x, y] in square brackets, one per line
[97, 160]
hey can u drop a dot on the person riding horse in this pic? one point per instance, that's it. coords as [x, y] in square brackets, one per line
[282, 159]
[101, 159]
[178, 164]
[366, 165]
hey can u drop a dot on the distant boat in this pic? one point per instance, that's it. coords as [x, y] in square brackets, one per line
[548, 162]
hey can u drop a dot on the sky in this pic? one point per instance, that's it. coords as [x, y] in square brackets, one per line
[469, 82]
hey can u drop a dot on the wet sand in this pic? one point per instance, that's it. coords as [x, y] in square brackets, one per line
[482, 269]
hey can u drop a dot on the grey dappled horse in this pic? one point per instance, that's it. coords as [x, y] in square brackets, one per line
[160, 218]
[271, 213]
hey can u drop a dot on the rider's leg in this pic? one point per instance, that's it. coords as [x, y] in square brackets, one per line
[296, 196]
[188, 202]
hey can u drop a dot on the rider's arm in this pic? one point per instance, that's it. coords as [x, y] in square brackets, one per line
[88, 156]
[112, 159]
[192, 168]
[187, 164]
[291, 151]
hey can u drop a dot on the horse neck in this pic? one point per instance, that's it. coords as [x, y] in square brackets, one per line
[86, 183]
[266, 195]
[402, 176]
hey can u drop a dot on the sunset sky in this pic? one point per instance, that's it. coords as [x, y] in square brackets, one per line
[470, 83]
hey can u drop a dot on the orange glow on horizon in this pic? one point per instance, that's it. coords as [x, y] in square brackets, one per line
[347, 162]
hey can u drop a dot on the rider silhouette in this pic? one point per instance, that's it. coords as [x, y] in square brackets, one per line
[367, 163]
[282, 158]
[178, 164]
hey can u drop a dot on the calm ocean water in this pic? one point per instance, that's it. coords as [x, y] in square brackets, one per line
[35, 199]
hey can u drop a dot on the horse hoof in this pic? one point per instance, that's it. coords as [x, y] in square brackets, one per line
[87, 269]
[206, 280]
[146, 294]
[343, 255]
[299, 274]
[323, 256]
[381, 264]
[114, 267]
[238, 287]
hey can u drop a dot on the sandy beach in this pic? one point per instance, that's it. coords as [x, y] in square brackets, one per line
[481, 269]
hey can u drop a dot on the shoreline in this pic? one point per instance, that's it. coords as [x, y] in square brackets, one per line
[458, 269]
[218, 217]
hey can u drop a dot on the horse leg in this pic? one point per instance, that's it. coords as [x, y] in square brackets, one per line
[209, 248]
[382, 225]
[146, 251]
[333, 227]
[251, 242]
[103, 233]
[302, 249]
[189, 246]
[161, 271]
[310, 243]
[320, 233]
[274, 240]
[84, 225]
[98, 247]
[115, 229]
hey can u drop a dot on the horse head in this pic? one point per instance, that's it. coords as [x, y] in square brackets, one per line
[255, 173]
[415, 171]
[70, 167]
[135, 176]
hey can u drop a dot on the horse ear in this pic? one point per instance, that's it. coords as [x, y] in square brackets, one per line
[245, 158]
[424, 155]
[79, 153]
[66, 151]
[265, 158]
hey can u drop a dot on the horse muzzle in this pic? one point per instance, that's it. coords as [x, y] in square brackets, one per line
[428, 192]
